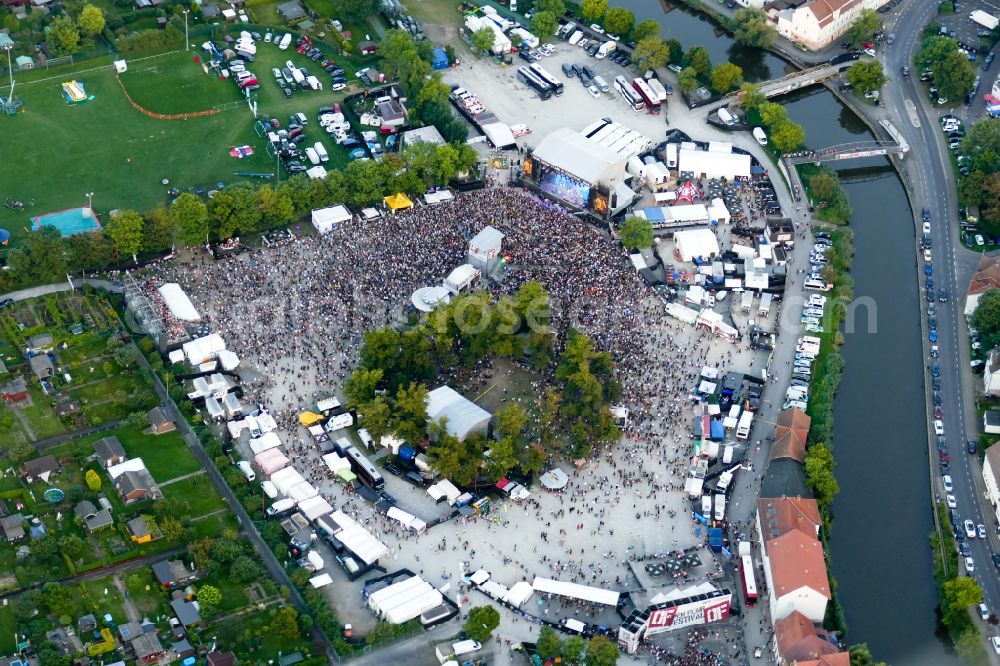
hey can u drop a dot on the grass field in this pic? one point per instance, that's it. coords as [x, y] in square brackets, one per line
[166, 456]
[7, 628]
[107, 147]
[199, 494]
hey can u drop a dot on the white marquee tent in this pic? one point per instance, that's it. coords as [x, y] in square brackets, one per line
[314, 507]
[357, 539]
[203, 349]
[269, 440]
[286, 479]
[271, 461]
[326, 219]
[693, 243]
[464, 416]
[576, 591]
[178, 303]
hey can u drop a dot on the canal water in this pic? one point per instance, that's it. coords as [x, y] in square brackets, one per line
[881, 557]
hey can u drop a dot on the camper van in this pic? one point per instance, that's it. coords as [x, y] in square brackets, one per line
[312, 155]
[321, 152]
[247, 470]
[606, 49]
[285, 41]
[758, 133]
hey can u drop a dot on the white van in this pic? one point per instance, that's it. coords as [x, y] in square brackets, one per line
[285, 41]
[280, 507]
[601, 83]
[817, 285]
[247, 470]
[314, 83]
[465, 647]
[312, 155]
[576, 37]
[758, 133]
[726, 117]
[321, 151]
[243, 75]
[366, 438]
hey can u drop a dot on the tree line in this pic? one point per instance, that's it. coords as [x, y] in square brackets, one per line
[242, 208]
[389, 389]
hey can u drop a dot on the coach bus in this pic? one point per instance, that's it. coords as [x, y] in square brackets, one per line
[530, 79]
[647, 94]
[364, 469]
[557, 85]
[749, 582]
[630, 96]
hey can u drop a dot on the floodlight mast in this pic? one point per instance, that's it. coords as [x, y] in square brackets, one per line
[10, 70]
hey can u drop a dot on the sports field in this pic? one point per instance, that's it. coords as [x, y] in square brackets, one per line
[107, 147]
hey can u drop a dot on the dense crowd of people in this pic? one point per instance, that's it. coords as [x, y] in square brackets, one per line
[295, 312]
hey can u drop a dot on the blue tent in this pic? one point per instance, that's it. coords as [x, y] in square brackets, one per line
[4, 236]
[440, 59]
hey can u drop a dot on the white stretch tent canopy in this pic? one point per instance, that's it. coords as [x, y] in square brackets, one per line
[693, 243]
[494, 589]
[357, 539]
[576, 591]
[178, 303]
[444, 488]
[269, 440]
[320, 581]
[519, 593]
[406, 520]
[714, 164]
[314, 507]
[336, 463]
[271, 461]
[203, 349]
[554, 479]
[479, 577]
[464, 416]
[499, 135]
[286, 479]
[432, 198]
[303, 491]
[325, 219]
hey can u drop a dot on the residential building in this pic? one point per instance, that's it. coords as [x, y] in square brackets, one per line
[86, 624]
[173, 573]
[991, 475]
[183, 649]
[42, 342]
[790, 434]
[780, 515]
[40, 468]
[991, 374]
[986, 277]
[147, 648]
[16, 391]
[66, 406]
[216, 658]
[139, 530]
[133, 482]
[817, 23]
[12, 527]
[991, 421]
[93, 518]
[41, 366]
[158, 422]
[798, 641]
[186, 612]
[109, 451]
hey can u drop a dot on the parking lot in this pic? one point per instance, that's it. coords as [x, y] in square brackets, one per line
[960, 27]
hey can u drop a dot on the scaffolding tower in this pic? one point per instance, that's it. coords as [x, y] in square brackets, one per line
[143, 310]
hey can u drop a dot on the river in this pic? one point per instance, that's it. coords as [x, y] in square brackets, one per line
[880, 551]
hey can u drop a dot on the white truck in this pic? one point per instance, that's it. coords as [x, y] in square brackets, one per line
[988, 21]
[280, 508]
[606, 48]
[743, 427]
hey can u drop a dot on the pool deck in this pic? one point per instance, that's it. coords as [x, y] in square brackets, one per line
[70, 227]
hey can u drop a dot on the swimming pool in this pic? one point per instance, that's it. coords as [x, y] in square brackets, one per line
[70, 221]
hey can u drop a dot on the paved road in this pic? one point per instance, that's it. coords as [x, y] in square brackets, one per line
[42, 290]
[263, 551]
[932, 181]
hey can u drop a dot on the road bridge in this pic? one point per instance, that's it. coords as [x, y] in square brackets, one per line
[789, 82]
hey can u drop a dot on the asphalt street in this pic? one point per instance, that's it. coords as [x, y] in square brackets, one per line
[928, 173]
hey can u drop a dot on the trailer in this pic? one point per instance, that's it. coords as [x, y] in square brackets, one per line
[988, 21]
[746, 301]
[765, 304]
[658, 89]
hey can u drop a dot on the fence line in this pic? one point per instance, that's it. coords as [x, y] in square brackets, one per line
[94, 69]
[163, 116]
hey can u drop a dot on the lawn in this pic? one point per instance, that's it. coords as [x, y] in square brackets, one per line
[166, 456]
[107, 147]
[41, 417]
[97, 602]
[7, 628]
[199, 494]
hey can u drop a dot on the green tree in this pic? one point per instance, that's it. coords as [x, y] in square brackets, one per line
[209, 597]
[751, 97]
[726, 76]
[823, 186]
[26, 605]
[544, 25]
[158, 231]
[864, 27]
[646, 29]
[572, 649]
[819, 473]
[411, 412]
[958, 595]
[447, 454]
[592, 10]
[557, 7]
[171, 528]
[39, 259]
[244, 569]
[981, 147]
[63, 37]
[71, 545]
[49, 654]
[954, 76]
[971, 189]
[376, 417]
[11, 24]
[687, 80]
[753, 28]
[355, 11]
[191, 215]
[60, 599]
[862, 656]
[636, 233]
[601, 652]
[933, 51]
[676, 51]
[651, 52]
[276, 208]
[481, 622]
[91, 20]
[787, 135]
[772, 113]
[697, 58]
[18, 450]
[360, 387]
[986, 318]
[364, 182]
[866, 75]
[125, 230]
[969, 647]
[93, 480]
[482, 40]
[619, 21]
[502, 458]
[548, 643]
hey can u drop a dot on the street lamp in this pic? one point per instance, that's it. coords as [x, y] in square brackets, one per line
[90, 200]
[10, 71]
[187, 42]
